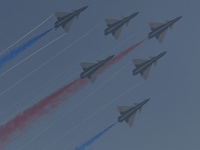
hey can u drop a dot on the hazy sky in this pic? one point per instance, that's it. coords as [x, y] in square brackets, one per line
[169, 121]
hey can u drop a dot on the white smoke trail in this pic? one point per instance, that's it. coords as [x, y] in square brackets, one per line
[32, 55]
[45, 63]
[27, 34]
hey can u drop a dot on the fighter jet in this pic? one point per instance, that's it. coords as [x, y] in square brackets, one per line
[115, 25]
[143, 66]
[128, 113]
[159, 30]
[65, 18]
[90, 70]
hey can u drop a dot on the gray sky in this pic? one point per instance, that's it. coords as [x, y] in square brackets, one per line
[169, 120]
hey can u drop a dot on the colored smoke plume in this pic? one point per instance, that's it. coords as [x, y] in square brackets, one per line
[94, 138]
[15, 52]
[43, 107]
[23, 120]
[120, 56]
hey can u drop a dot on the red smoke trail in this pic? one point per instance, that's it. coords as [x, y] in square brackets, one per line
[43, 107]
[120, 56]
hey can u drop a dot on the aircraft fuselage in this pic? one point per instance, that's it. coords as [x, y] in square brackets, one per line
[160, 29]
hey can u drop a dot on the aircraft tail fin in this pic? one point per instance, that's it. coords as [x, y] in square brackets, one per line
[122, 109]
[154, 25]
[86, 65]
[59, 15]
[138, 62]
[110, 22]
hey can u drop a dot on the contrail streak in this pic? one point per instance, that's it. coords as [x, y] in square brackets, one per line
[94, 138]
[27, 34]
[32, 55]
[45, 63]
[15, 52]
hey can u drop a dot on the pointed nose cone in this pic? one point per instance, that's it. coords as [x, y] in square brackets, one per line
[110, 57]
[145, 101]
[179, 17]
[84, 8]
[163, 53]
[136, 13]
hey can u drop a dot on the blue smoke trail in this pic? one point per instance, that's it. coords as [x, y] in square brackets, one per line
[15, 52]
[94, 138]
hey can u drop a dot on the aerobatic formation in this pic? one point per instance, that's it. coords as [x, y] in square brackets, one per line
[22, 121]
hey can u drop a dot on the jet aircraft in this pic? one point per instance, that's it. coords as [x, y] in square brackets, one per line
[115, 25]
[143, 66]
[159, 30]
[65, 18]
[128, 113]
[90, 70]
